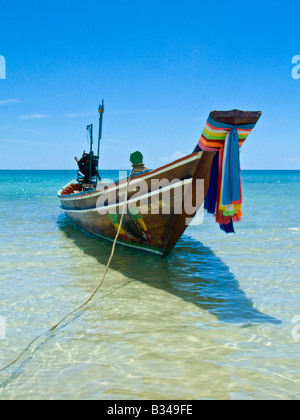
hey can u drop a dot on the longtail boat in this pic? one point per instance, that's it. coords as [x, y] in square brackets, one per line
[161, 203]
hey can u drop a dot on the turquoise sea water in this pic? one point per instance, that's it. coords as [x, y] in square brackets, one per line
[218, 319]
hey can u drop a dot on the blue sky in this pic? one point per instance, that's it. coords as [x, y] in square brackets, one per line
[161, 67]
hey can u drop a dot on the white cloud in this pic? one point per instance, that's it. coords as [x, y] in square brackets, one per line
[79, 114]
[292, 159]
[175, 156]
[10, 101]
[128, 112]
[35, 116]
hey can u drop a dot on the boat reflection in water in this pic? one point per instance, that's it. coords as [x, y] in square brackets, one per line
[192, 272]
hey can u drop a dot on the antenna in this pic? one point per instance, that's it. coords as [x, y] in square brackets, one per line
[101, 112]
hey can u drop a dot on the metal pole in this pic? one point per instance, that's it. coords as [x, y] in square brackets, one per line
[90, 130]
[101, 111]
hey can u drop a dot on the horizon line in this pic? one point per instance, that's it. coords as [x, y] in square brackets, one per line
[122, 169]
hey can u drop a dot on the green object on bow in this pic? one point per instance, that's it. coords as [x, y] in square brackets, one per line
[136, 158]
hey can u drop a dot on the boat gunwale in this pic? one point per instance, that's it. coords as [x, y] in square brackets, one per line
[85, 195]
[181, 183]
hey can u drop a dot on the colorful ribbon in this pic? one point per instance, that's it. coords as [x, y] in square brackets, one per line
[224, 197]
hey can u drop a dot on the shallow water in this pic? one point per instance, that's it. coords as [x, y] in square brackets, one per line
[214, 320]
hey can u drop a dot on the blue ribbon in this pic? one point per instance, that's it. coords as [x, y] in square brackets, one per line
[211, 196]
[231, 184]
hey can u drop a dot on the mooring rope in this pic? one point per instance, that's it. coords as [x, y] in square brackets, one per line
[92, 295]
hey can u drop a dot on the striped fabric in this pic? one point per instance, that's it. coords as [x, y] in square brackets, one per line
[226, 139]
[214, 134]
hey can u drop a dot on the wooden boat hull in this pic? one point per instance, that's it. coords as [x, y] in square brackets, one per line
[154, 223]
[155, 219]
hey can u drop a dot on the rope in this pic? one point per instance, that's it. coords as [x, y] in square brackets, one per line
[92, 295]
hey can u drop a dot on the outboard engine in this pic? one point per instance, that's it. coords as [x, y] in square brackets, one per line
[87, 169]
